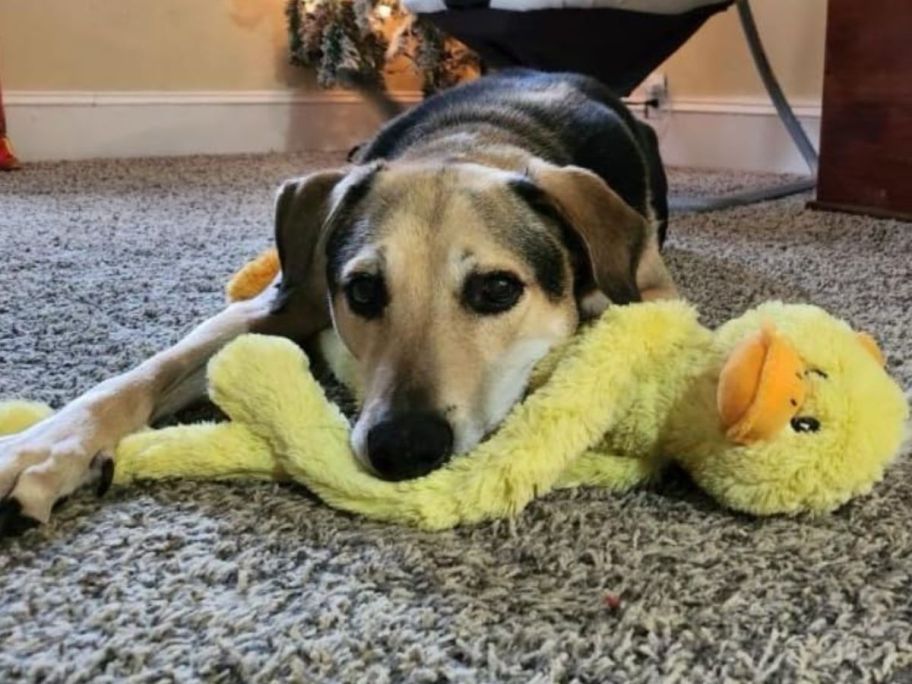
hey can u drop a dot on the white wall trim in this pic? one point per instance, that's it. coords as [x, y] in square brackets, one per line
[50, 125]
[78, 98]
[742, 106]
[742, 133]
[725, 132]
[44, 98]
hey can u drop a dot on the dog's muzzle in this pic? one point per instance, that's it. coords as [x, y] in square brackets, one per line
[409, 445]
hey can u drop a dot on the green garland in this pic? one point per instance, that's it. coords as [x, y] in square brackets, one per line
[345, 38]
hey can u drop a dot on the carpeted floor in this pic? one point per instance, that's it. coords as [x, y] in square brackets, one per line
[105, 262]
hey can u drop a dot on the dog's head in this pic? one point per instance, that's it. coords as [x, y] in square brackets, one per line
[447, 282]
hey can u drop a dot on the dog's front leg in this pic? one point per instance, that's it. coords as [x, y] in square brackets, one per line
[75, 446]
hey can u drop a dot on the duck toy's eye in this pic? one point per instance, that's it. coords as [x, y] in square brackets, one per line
[805, 424]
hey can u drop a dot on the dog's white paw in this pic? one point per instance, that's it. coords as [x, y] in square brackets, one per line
[50, 460]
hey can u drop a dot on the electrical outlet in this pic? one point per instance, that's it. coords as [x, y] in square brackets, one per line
[655, 88]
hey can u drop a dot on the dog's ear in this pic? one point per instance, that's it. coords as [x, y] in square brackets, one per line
[308, 212]
[606, 234]
[301, 209]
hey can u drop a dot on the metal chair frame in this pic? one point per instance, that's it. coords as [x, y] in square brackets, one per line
[789, 120]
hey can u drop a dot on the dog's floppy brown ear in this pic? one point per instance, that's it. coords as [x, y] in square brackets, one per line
[302, 207]
[610, 233]
[308, 211]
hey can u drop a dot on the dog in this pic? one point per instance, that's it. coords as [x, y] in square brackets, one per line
[472, 234]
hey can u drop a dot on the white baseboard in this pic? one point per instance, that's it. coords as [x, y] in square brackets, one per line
[735, 133]
[79, 125]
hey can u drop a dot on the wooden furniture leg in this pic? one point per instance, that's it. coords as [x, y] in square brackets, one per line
[866, 129]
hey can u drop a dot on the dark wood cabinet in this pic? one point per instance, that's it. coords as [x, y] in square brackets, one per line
[866, 129]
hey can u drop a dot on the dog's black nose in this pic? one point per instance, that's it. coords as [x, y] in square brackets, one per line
[409, 445]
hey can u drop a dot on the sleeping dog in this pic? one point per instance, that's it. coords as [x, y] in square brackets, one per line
[471, 235]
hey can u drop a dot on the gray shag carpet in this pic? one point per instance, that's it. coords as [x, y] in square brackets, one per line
[105, 262]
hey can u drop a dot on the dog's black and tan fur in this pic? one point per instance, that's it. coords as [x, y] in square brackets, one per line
[472, 234]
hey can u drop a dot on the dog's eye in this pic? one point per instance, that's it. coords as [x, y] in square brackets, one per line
[366, 295]
[805, 424]
[492, 293]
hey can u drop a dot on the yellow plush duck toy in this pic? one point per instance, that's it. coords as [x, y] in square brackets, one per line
[783, 410]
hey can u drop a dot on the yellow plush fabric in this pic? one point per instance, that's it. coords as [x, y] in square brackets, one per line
[634, 391]
[16, 415]
[862, 415]
[260, 382]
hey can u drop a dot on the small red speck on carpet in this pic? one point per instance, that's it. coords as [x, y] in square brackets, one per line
[612, 601]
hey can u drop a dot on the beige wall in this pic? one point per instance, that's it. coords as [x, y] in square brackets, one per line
[99, 45]
[716, 61]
